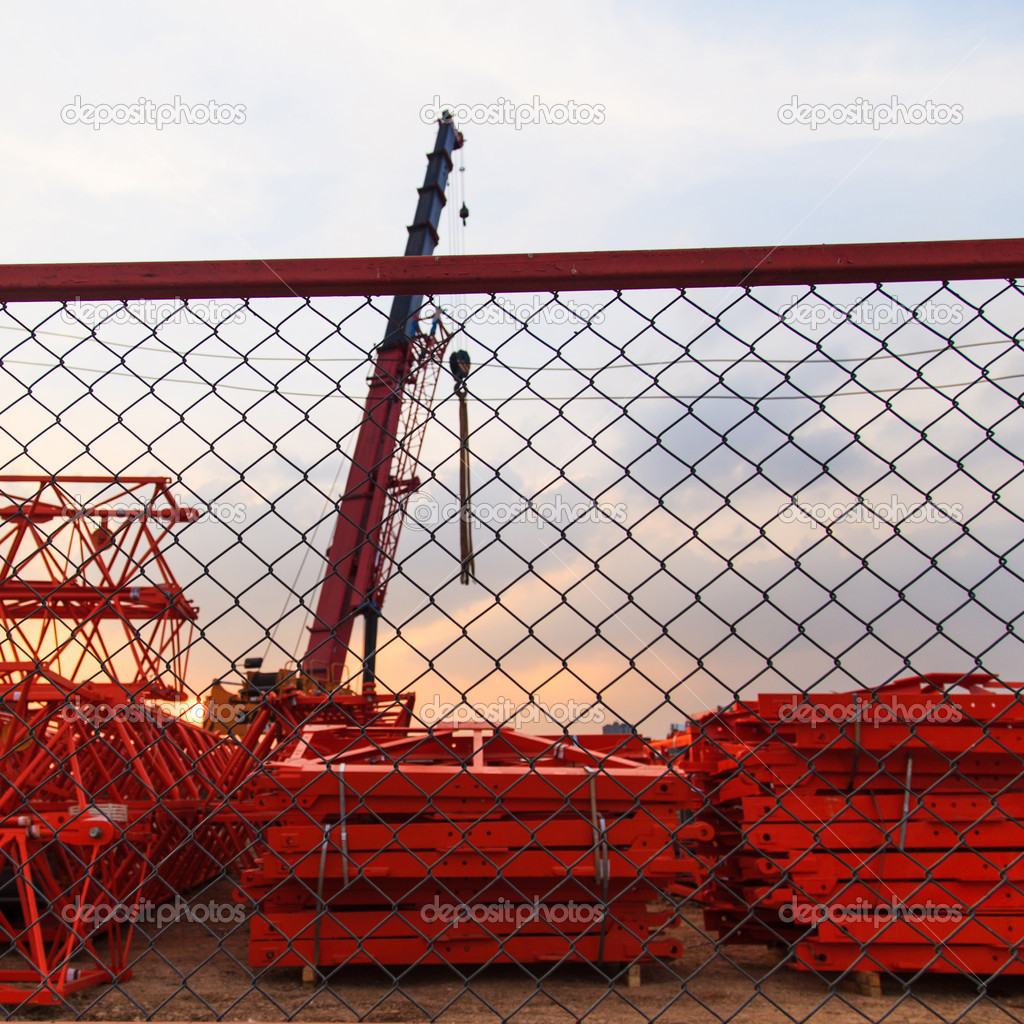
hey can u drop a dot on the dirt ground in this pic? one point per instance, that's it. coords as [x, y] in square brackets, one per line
[197, 972]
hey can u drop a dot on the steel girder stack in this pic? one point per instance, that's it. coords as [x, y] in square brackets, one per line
[465, 846]
[871, 831]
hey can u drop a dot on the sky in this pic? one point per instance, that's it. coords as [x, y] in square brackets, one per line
[690, 150]
[690, 130]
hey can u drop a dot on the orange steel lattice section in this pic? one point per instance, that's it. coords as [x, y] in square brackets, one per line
[86, 592]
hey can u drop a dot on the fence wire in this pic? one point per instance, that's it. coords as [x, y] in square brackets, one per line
[725, 725]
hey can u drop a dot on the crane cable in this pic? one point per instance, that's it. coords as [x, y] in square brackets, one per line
[460, 364]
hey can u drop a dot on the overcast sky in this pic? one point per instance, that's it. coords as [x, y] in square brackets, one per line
[690, 150]
[688, 129]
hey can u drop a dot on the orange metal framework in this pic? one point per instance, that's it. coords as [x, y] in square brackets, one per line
[86, 593]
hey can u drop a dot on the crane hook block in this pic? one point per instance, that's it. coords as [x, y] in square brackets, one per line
[464, 214]
[460, 364]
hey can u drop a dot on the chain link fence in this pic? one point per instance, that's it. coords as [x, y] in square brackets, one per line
[717, 719]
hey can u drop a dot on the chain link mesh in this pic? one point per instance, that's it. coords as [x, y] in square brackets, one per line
[729, 707]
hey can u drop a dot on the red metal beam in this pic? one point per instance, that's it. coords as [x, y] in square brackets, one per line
[581, 271]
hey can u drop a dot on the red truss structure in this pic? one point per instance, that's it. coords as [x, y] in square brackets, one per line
[85, 590]
[110, 803]
[108, 807]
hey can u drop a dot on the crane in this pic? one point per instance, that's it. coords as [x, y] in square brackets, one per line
[369, 516]
[369, 513]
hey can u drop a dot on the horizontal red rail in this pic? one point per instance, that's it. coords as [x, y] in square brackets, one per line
[581, 271]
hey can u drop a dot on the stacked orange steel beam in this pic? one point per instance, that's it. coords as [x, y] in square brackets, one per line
[465, 846]
[874, 831]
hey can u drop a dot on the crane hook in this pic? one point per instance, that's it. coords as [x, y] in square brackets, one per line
[464, 214]
[460, 367]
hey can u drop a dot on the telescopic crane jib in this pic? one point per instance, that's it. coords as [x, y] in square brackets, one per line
[363, 548]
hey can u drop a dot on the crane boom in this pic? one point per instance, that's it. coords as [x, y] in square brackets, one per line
[369, 512]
